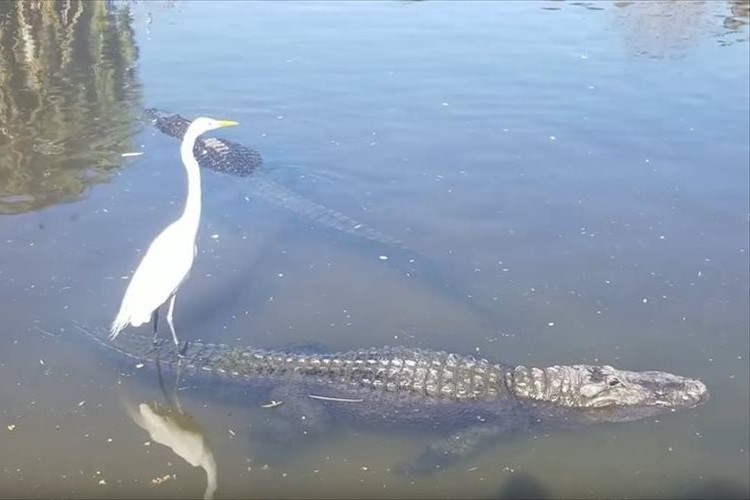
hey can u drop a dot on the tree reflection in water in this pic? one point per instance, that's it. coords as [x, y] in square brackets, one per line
[69, 101]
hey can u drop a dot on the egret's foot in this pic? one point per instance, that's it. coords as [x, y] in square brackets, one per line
[155, 322]
[181, 351]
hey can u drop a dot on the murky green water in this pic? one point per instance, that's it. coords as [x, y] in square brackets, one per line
[576, 172]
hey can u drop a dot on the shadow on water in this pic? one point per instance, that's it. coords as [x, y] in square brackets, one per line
[715, 487]
[526, 485]
[523, 485]
[68, 100]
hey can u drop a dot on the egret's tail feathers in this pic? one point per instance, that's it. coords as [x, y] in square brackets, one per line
[124, 319]
[117, 326]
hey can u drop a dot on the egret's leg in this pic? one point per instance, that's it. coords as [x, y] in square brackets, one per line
[174, 401]
[155, 320]
[176, 397]
[161, 381]
[171, 322]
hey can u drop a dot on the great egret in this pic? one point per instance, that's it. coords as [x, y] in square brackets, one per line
[170, 256]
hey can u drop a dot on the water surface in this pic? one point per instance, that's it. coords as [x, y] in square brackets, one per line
[577, 172]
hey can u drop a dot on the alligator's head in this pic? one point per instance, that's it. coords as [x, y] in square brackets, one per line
[170, 124]
[606, 394]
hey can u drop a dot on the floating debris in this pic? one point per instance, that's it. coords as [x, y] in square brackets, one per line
[338, 400]
[128, 155]
[160, 480]
[272, 404]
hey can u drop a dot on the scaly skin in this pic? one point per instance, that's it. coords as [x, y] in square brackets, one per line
[478, 401]
[220, 155]
[405, 377]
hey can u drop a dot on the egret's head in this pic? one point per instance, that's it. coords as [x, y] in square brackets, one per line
[204, 124]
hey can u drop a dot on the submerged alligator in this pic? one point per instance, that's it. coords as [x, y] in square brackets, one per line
[229, 157]
[476, 399]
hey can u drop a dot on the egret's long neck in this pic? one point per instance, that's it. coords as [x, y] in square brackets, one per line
[192, 213]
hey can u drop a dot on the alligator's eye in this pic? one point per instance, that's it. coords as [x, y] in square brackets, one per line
[613, 382]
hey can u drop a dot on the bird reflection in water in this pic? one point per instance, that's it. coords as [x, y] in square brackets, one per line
[169, 425]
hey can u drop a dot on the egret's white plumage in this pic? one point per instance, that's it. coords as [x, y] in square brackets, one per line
[170, 256]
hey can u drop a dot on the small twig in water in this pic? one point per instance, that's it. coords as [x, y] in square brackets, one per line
[338, 400]
[46, 332]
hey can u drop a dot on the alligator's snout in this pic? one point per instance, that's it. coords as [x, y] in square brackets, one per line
[695, 393]
[680, 392]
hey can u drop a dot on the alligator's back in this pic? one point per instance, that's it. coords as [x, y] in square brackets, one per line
[389, 385]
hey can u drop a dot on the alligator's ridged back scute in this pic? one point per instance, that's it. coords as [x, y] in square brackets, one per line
[221, 155]
[432, 374]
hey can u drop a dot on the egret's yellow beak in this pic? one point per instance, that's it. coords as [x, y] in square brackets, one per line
[227, 123]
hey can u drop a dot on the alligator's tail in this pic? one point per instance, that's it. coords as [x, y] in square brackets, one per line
[136, 347]
[279, 195]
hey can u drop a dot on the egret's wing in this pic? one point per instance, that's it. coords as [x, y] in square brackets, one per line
[162, 270]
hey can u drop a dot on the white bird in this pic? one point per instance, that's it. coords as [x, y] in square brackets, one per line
[168, 260]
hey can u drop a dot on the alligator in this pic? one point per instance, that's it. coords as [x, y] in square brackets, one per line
[477, 400]
[229, 157]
